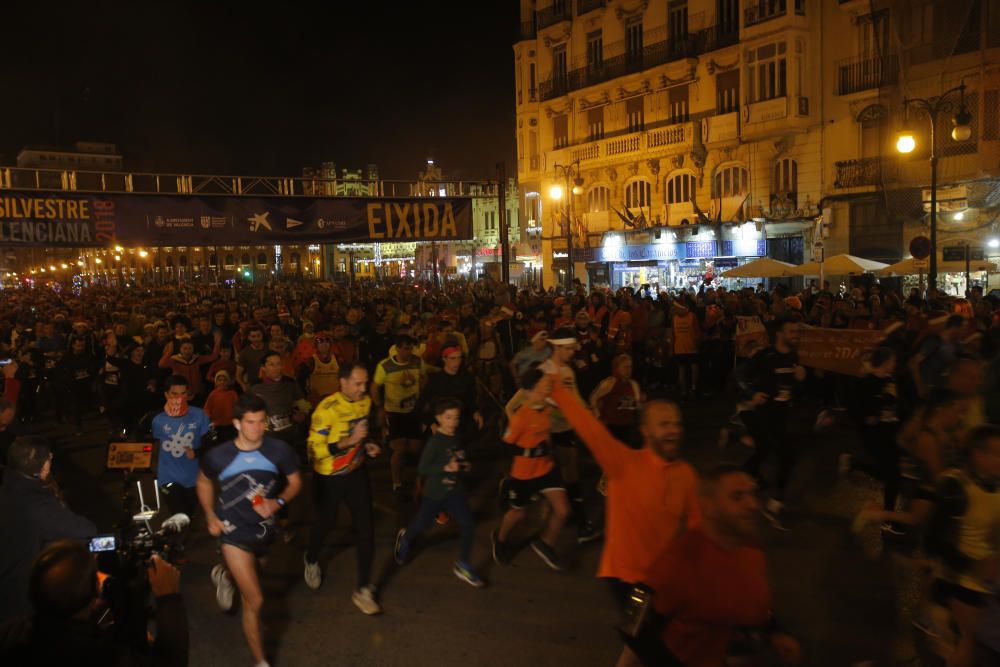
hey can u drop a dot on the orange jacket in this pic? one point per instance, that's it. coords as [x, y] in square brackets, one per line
[650, 500]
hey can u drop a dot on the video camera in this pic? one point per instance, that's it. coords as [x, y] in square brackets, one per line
[125, 554]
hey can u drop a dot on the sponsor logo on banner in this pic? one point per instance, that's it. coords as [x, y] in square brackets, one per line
[837, 350]
[36, 218]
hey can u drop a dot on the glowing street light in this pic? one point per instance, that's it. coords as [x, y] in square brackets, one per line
[555, 192]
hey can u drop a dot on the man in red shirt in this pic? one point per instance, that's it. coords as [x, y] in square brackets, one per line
[712, 579]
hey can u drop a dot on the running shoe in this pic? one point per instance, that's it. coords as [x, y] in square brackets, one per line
[500, 554]
[468, 575]
[772, 512]
[401, 549]
[224, 588]
[547, 554]
[891, 528]
[312, 574]
[588, 532]
[364, 599]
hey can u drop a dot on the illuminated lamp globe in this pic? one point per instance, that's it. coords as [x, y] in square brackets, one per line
[578, 186]
[556, 192]
[906, 142]
[961, 125]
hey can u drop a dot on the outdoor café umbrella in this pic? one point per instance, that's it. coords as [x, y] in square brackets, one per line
[765, 267]
[910, 267]
[839, 265]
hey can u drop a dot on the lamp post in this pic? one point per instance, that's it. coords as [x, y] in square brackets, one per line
[568, 172]
[961, 122]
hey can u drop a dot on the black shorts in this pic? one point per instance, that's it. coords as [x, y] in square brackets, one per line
[519, 493]
[403, 426]
[258, 549]
[685, 359]
[565, 439]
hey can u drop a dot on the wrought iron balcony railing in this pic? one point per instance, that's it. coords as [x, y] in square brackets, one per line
[866, 72]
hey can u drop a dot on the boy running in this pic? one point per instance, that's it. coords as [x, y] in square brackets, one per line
[442, 462]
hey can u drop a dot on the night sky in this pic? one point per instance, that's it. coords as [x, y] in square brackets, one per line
[220, 87]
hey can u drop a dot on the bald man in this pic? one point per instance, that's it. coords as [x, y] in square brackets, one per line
[652, 493]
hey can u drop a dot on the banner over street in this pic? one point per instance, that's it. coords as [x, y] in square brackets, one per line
[76, 219]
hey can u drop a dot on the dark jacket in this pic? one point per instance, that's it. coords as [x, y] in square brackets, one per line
[31, 516]
[40, 642]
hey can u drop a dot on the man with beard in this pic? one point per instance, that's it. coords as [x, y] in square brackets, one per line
[712, 580]
[773, 380]
[652, 492]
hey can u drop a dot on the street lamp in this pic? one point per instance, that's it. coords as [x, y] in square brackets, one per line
[906, 142]
[570, 173]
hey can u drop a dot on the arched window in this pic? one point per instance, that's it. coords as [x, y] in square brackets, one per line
[183, 261]
[213, 259]
[786, 176]
[731, 181]
[873, 120]
[230, 261]
[598, 198]
[637, 194]
[680, 188]
[262, 259]
[294, 263]
[245, 260]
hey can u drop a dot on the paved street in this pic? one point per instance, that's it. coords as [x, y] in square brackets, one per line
[836, 593]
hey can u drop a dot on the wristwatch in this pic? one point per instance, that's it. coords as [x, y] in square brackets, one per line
[280, 501]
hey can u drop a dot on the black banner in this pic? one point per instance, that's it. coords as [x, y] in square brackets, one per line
[75, 219]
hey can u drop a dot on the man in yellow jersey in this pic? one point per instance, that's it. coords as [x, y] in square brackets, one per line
[396, 388]
[337, 449]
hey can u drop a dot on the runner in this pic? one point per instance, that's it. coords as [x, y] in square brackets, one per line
[442, 464]
[776, 375]
[179, 430]
[337, 449]
[532, 473]
[248, 471]
[395, 391]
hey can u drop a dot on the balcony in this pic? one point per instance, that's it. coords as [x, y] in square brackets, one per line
[585, 6]
[764, 10]
[620, 62]
[679, 136]
[865, 73]
[554, 13]
[722, 128]
[860, 173]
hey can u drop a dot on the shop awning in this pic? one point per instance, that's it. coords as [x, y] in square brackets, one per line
[765, 267]
[909, 267]
[840, 265]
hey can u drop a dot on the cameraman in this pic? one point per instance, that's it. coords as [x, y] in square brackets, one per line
[66, 625]
[31, 516]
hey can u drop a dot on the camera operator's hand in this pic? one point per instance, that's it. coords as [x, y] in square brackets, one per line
[164, 578]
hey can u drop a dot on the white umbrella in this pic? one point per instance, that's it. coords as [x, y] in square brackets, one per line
[908, 267]
[840, 265]
[765, 267]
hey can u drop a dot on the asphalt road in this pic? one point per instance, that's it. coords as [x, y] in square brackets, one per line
[842, 595]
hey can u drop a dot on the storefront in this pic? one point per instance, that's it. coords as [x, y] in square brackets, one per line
[669, 265]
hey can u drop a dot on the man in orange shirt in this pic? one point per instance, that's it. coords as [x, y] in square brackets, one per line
[652, 493]
[533, 472]
[686, 347]
[712, 580]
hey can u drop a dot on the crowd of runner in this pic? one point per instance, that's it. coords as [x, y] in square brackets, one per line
[254, 394]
